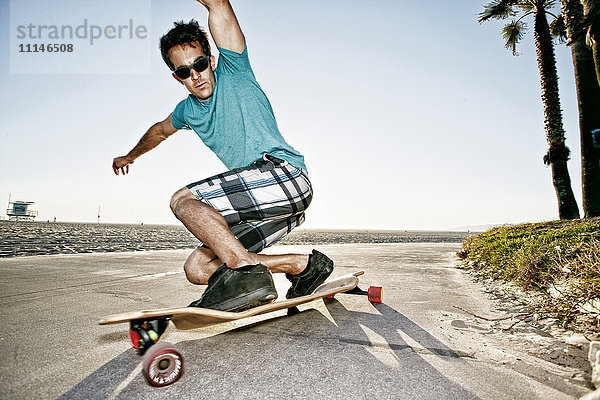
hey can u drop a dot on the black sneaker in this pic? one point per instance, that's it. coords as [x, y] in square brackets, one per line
[318, 269]
[238, 289]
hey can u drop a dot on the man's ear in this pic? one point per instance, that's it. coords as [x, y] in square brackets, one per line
[213, 62]
[176, 78]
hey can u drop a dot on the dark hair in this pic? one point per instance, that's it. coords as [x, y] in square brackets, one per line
[183, 33]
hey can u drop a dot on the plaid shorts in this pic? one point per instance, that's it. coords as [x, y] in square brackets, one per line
[261, 203]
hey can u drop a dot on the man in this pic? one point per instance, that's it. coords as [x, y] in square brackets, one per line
[266, 190]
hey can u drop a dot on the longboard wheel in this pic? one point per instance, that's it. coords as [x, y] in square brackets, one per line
[375, 294]
[135, 338]
[163, 364]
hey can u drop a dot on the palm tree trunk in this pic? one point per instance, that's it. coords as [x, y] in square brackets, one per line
[588, 96]
[592, 12]
[558, 153]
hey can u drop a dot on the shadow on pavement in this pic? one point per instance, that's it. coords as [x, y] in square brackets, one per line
[308, 355]
[102, 382]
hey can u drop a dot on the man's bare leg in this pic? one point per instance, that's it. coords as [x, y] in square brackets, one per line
[206, 224]
[203, 262]
[210, 228]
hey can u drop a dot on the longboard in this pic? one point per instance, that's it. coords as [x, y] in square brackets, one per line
[163, 364]
[185, 318]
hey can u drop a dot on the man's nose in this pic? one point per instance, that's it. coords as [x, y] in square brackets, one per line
[194, 74]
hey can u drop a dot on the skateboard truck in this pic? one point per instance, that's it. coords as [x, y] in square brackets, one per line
[357, 290]
[374, 294]
[144, 333]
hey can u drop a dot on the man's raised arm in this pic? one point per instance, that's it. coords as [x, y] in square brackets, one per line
[223, 25]
[152, 138]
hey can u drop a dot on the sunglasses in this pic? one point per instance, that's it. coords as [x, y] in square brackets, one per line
[186, 71]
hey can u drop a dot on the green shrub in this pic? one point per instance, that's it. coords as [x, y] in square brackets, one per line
[560, 259]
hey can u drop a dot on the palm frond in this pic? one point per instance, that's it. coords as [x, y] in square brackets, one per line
[558, 29]
[529, 5]
[498, 9]
[526, 5]
[512, 34]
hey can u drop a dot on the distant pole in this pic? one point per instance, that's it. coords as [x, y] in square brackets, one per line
[98, 214]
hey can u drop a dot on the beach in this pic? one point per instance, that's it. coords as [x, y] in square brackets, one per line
[43, 238]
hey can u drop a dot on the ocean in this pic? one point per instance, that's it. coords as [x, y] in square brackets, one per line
[42, 238]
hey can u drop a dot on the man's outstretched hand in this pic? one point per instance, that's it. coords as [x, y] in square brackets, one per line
[121, 163]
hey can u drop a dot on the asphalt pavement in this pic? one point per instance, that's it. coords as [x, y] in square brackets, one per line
[437, 334]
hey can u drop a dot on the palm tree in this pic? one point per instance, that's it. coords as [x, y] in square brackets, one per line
[592, 25]
[588, 95]
[558, 152]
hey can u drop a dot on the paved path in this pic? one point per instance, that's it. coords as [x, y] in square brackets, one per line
[416, 345]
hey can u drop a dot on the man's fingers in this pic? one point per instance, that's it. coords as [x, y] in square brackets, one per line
[120, 165]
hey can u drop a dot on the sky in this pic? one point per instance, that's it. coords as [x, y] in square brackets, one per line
[410, 114]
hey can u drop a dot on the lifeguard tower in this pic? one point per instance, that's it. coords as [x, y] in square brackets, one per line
[21, 211]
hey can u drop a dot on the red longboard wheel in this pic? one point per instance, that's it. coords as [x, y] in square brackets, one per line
[135, 338]
[163, 364]
[375, 294]
[332, 296]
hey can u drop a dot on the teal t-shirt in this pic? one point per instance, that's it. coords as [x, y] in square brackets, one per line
[237, 122]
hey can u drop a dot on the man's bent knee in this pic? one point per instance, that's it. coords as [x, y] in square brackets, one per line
[179, 198]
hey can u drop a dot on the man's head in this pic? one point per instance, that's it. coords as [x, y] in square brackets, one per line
[183, 49]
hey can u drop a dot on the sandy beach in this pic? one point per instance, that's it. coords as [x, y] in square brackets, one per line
[43, 238]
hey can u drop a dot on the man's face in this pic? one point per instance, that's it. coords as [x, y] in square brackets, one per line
[200, 84]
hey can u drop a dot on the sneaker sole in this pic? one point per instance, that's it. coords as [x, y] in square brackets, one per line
[321, 279]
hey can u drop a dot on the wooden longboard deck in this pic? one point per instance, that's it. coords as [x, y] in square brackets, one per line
[193, 317]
